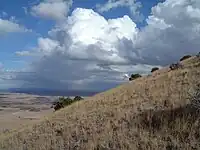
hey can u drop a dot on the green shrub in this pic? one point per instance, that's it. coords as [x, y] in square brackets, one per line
[134, 76]
[58, 106]
[154, 69]
[176, 66]
[78, 98]
[185, 57]
[63, 102]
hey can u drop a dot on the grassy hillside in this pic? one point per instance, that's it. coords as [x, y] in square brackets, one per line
[151, 112]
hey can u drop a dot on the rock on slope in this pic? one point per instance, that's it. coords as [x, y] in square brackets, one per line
[151, 112]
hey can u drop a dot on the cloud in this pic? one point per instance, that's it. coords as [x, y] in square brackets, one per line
[7, 79]
[87, 51]
[83, 51]
[133, 5]
[89, 36]
[86, 35]
[45, 47]
[23, 53]
[52, 9]
[8, 26]
[172, 31]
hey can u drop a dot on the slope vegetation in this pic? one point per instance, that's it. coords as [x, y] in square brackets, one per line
[151, 112]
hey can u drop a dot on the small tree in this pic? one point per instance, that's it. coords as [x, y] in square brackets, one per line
[78, 98]
[185, 57]
[175, 66]
[63, 102]
[154, 69]
[134, 76]
[58, 106]
[67, 101]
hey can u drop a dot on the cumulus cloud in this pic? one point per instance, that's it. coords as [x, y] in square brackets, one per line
[133, 5]
[8, 26]
[171, 32]
[52, 9]
[83, 50]
[23, 53]
[45, 46]
[89, 36]
[88, 51]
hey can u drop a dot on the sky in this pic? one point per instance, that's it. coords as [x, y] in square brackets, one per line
[92, 44]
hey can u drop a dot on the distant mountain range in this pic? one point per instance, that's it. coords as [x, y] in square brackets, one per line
[51, 92]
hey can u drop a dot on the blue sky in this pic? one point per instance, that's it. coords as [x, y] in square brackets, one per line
[98, 36]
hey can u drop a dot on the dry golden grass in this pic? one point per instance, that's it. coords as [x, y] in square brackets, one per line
[151, 112]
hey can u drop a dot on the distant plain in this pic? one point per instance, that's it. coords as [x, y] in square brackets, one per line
[18, 110]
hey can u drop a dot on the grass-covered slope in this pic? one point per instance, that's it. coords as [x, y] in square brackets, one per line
[151, 112]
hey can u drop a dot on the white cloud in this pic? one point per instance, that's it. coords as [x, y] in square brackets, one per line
[47, 45]
[23, 53]
[171, 32]
[92, 36]
[133, 5]
[87, 36]
[83, 50]
[52, 9]
[7, 26]
[88, 51]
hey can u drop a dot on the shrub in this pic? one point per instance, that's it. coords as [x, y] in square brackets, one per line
[66, 101]
[134, 76]
[185, 57]
[63, 102]
[78, 98]
[154, 69]
[175, 66]
[58, 106]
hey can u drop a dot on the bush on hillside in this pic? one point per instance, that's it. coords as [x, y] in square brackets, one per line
[175, 66]
[63, 102]
[58, 106]
[154, 69]
[78, 98]
[185, 57]
[134, 76]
